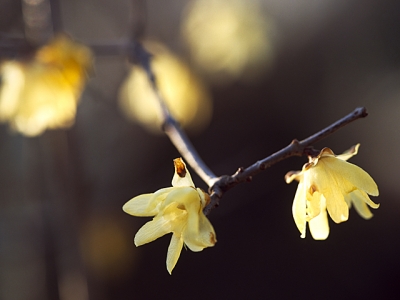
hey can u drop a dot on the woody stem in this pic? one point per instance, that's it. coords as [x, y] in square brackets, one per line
[295, 148]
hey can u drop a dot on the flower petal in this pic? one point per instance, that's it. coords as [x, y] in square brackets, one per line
[204, 238]
[329, 183]
[146, 205]
[299, 209]
[174, 251]
[314, 205]
[362, 209]
[182, 196]
[152, 230]
[349, 153]
[360, 200]
[293, 175]
[319, 226]
[366, 199]
[352, 173]
[182, 176]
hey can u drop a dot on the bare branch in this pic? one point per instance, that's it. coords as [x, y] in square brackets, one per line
[295, 148]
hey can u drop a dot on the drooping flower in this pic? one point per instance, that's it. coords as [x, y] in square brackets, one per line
[177, 209]
[328, 183]
[43, 92]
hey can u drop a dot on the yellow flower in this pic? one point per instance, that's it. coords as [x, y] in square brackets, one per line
[186, 96]
[177, 209]
[327, 183]
[43, 92]
[229, 39]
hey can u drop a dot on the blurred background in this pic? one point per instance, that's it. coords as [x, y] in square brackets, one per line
[250, 76]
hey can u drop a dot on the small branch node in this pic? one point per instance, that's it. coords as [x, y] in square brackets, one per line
[295, 142]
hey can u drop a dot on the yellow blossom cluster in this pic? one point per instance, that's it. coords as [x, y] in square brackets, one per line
[177, 209]
[43, 92]
[328, 184]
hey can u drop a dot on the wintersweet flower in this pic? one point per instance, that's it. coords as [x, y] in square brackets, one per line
[177, 209]
[43, 92]
[184, 93]
[328, 183]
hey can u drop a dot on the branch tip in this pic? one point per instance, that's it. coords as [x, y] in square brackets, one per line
[362, 111]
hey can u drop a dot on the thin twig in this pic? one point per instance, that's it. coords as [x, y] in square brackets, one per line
[56, 16]
[295, 148]
[171, 127]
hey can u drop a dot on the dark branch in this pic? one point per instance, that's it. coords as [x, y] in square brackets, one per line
[171, 127]
[295, 148]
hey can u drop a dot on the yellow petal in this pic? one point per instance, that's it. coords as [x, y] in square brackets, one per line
[362, 209]
[182, 196]
[299, 209]
[194, 209]
[293, 175]
[146, 205]
[366, 199]
[349, 153]
[174, 251]
[329, 184]
[204, 197]
[314, 205]
[360, 200]
[336, 206]
[319, 226]
[204, 238]
[182, 176]
[152, 230]
[352, 173]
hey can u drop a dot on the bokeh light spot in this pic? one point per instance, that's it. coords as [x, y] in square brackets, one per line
[228, 40]
[185, 95]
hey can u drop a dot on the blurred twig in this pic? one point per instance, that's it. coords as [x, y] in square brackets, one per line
[56, 17]
[138, 18]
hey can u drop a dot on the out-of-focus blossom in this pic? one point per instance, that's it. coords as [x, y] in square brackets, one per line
[328, 183]
[185, 95]
[228, 39]
[177, 209]
[106, 246]
[43, 92]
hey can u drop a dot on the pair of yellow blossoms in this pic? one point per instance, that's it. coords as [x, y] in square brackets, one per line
[327, 183]
[43, 92]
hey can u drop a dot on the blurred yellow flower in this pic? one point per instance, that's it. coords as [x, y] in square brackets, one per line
[327, 183]
[178, 209]
[228, 39]
[185, 95]
[43, 93]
